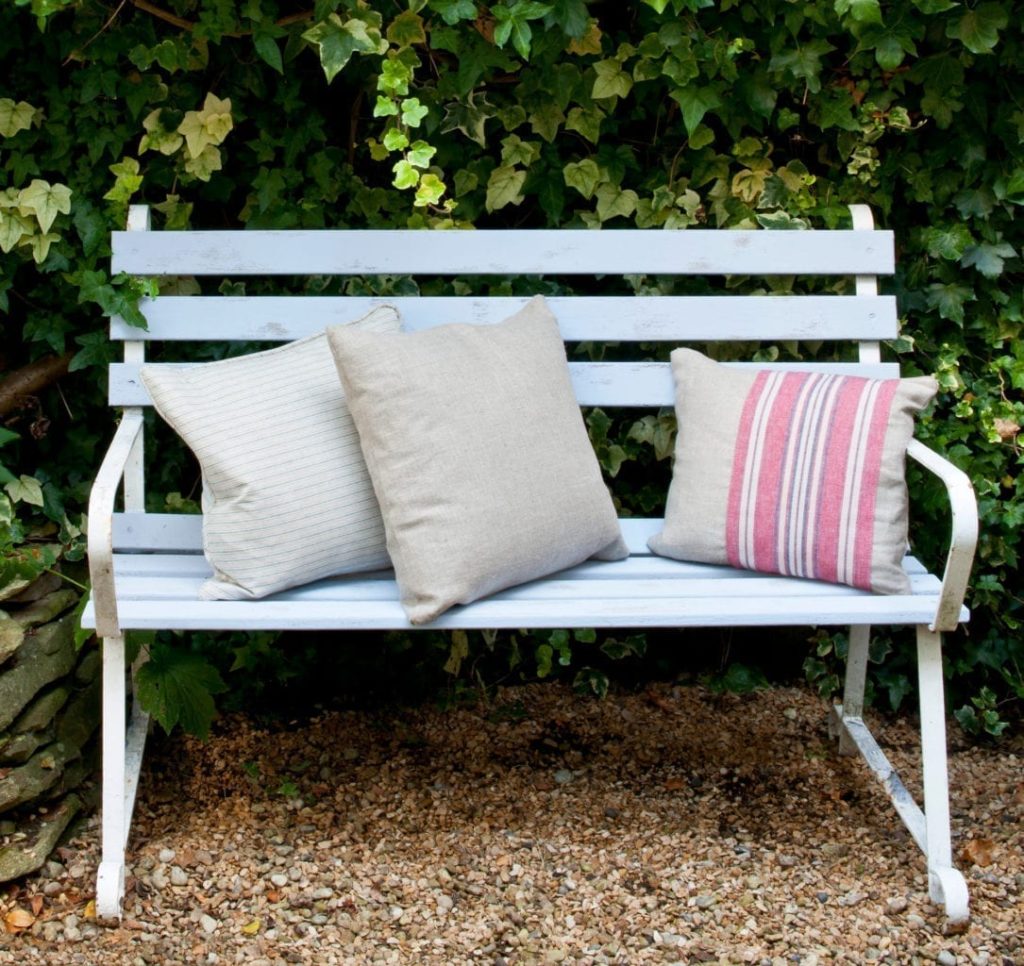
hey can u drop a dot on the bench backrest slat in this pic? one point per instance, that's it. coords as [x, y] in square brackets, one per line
[596, 383]
[640, 318]
[507, 252]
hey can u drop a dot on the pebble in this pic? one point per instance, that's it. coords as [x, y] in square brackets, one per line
[946, 958]
[208, 923]
[179, 876]
[896, 904]
[159, 879]
[166, 856]
[279, 879]
[915, 921]
[704, 902]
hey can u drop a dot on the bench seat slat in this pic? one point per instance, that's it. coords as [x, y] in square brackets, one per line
[596, 383]
[595, 318]
[503, 252]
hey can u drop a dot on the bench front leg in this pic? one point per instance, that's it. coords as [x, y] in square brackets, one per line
[124, 742]
[946, 884]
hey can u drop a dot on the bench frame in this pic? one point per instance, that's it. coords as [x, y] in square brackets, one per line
[143, 252]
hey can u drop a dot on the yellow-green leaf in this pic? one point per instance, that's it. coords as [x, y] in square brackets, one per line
[504, 187]
[45, 201]
[13, 227]
[611, 81]
[15, 117]
[407, 29]
[613, 201]
[203, 166]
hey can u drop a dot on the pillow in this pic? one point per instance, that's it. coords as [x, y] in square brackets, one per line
[792, 473]
[478, 455]
[286, 495]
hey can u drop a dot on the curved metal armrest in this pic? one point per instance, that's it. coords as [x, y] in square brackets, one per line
[964, 539]
[101, 523]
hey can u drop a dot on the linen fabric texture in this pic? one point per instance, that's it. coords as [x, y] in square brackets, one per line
[478, 454]
[792, 473]
[286, 495]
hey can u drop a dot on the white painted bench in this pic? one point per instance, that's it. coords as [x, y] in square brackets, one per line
[147, 567]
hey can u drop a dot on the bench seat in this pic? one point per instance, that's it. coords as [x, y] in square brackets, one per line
[160, 591]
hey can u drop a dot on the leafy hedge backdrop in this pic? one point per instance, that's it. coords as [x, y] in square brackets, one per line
[455, 113]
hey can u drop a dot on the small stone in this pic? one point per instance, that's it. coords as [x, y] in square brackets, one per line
[946, 958]
[787, 861]
[167, 856]
[611, 812]
[179, 876]
[279, 879]
[704, 902]
[822, 896]
[915, 921]
[72, 934]
[563, 776]
[208, 923]
[52, 889]
[159, 879]
[896, 904]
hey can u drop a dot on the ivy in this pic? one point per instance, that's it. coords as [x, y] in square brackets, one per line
[569, 113]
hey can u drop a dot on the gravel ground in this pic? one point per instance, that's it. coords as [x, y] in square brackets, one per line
[672, 826]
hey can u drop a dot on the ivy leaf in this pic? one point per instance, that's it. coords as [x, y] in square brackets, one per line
[269, 52]
[385, 107]
[395, 139]
[45, 201]
[571, 16]
[584, 176]
[96, 350]
[206, 127]
[177, 687]
[949, 299]
[203, 166]
[695, 103]
[429, 191]
[469, 117]
[612, 202]
[413, 112]
[339, 39]
[978, 29]
[988, 258]
[157, 137]
[861, 11]
[947, 242]
[586, 121]
[15, 117]
[25, 489]
[513, 22]
[406, 176]
[546, 120]
[407, 29]
[804, 62]
[13, 227]
[611, 80]
[504, 187]
[40, 245]
[452, 11]
[420, 154]
[514, 150]
[658, 5]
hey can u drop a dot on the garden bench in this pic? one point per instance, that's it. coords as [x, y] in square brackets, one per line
[147, 567]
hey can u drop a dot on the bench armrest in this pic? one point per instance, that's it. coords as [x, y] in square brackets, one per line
[101, 523]
[964, 539]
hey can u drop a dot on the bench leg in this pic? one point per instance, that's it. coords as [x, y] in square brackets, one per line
[123, 746]
[856, 678]
[945, 884]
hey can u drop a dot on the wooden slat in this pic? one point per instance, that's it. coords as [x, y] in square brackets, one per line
[711, 318]
[596, 383]
[502, 252]
[495, 612]
[177, 533]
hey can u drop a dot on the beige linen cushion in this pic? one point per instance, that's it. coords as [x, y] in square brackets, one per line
[286, 495]
[792, 473]
[478, 455]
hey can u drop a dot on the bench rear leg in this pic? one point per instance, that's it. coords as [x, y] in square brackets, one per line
[856, 678]
[123, 747]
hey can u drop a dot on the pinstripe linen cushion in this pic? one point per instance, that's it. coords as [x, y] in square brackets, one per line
[792, 473]
[286, 496]
[478, 454]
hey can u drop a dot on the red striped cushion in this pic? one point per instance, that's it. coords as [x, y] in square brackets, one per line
[791, 473]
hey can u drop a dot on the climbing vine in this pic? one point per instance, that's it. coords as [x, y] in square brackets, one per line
[454, 113]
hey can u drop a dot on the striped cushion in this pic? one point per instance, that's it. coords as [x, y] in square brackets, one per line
[286, 495]
[791, 473]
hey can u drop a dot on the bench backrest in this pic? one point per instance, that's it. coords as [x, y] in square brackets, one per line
[862, 318]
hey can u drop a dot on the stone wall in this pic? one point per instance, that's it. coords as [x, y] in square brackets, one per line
[49, 717]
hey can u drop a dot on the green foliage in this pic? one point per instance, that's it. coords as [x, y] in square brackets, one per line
[452, 113]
